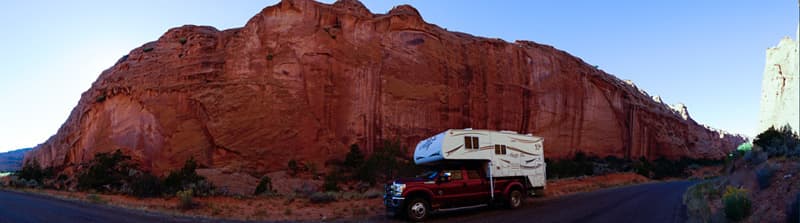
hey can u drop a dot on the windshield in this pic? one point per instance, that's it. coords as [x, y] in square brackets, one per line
[429, 174]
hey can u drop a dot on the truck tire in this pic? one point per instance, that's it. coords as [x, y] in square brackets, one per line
[417, 210]
[514, 199]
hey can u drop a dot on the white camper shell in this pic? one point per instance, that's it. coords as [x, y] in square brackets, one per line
[508, 153]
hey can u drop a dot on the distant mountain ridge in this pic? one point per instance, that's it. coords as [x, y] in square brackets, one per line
[12, 160]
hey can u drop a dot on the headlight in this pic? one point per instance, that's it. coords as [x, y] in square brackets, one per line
[397, 189]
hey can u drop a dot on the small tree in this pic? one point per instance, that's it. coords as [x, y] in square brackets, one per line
[354, 158]
[292, 167]
[264, 186]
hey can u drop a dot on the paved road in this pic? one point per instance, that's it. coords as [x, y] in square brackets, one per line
[655, 202]
[23, 208]
[652, 203]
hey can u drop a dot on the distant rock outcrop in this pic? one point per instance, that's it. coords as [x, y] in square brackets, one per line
[304, 80]
[780, 88]
[12, 160]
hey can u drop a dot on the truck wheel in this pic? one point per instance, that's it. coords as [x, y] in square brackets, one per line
[514, 199]
[418, 209]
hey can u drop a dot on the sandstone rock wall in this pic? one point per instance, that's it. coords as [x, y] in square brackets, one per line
[303, 80]
[780, 88]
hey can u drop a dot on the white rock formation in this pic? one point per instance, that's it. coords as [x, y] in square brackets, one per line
[780, 89]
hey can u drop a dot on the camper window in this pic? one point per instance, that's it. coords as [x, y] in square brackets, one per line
[471, 142]
[500, 149]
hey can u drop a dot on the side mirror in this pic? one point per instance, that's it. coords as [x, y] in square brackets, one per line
[445, 177]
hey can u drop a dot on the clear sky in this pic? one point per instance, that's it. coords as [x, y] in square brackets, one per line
[707, 54]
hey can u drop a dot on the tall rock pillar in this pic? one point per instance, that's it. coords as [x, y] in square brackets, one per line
[780, 88]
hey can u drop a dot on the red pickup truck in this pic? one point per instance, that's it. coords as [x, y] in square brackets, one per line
[450, 187]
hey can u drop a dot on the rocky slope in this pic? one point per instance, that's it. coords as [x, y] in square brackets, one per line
[303, 80]
[780, 88]
[12, 160]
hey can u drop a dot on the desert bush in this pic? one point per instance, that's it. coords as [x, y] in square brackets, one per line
[320, 197]
[264, 186]
[292, 167]
[764, 175]
[106, 172]
[736, 204]
[182, 40]
[147, 49]
[187, 178]
[185, 199]
[145, 185]
[793, 211]
[33, 171]
[331, 182]
[354, 158]
[386, 162]
[779, 142]
[755, 157]
[696, 201]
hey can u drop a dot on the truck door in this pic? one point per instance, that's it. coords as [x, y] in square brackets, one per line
[450, 192]
[477, 187]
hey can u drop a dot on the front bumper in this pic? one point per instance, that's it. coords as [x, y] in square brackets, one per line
[394, 205]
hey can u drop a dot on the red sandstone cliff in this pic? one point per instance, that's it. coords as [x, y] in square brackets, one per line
[303, 80]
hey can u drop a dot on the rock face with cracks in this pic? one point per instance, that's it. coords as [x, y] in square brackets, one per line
[304, 80]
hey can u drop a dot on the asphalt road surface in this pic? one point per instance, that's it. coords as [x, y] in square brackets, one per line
[652, 203]
[23, 208]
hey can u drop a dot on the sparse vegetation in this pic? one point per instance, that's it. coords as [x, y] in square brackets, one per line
[147, 49]
[264, 186]
[269, 56]
[100, 98]
[354, 158]
[385, 163]
[331, 182]
[182, 40]
[292, 167]
[764, 175]
[736, 203]
[187, 179]
[779, 142]
[145, 185]
[106, 172]
[32, 171]
[696, 200]
[94, 198]
[185, 200]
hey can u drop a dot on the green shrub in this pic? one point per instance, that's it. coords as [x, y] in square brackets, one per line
[696, 200]
[292, 167]
[736, 204]
[182, 40]
[354, 158]
[147, 49]
[100, 98]
[187, 178]
[331, 182]
[145, 185]
[270, 56]
[185, 199]
[386, 162]
[779, 142]
[106, 172]
[264, 186]
[764, 176]
[33, 171]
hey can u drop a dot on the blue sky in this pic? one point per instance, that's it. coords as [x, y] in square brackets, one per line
[708, 55]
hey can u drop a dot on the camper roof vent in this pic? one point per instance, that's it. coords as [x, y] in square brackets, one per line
[508, 131]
